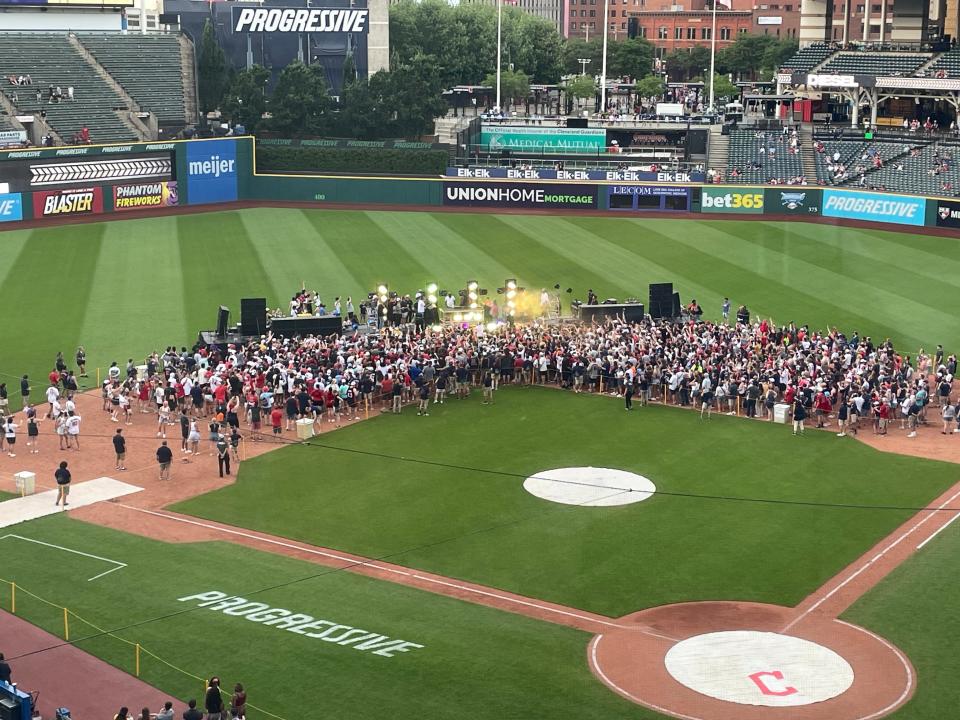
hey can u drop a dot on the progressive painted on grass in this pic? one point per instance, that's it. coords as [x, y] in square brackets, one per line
[307, 625]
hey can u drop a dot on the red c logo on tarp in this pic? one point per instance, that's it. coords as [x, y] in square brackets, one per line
[765, 689]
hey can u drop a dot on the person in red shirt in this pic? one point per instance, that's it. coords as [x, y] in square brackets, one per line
[883, 414]
[276, 420]
[823, 408]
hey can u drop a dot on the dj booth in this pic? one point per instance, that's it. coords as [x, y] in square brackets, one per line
[630, 312]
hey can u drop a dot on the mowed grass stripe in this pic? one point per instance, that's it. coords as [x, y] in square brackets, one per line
[941, 246]
[877, 246]
[371, 254]
[528, 256]
[50, 282]
[219, 266]
[625, 269]
[842, 279]
[137, 263]
[842, 302]
[450, 257]
[292, 251]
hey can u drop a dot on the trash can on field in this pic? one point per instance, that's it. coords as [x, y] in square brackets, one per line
[25, 482]
[305, 429]
[781, 413]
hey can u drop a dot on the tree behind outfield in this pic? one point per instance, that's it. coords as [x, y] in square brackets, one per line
[514, 85]
[414, 97]
[649, 87]
[755, 57]
[301, 102]
[212, 71]
[630, 58]
[576, 48]
[245, 100]
[682, 65]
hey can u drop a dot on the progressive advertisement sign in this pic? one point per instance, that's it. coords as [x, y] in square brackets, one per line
[877, 207]
[211, 171]
[795, 200]
[61, 203]
[948, 213]
[541, 138]
[725, 200]
[11, 207]
[145, 195]
[560, 195]
[248, 19]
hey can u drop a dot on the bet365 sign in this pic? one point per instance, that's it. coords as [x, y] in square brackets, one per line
[725, 200]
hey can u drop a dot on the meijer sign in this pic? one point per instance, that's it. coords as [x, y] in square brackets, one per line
[300, 20]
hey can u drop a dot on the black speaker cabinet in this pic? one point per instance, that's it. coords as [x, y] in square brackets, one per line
[253, 316]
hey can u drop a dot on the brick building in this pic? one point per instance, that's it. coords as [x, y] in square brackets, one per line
[684, 23]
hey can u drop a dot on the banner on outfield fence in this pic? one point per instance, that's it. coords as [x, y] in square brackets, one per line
[725, 200]
[542, 138]
[577, 175]
[877, 207]
[11, 207]
[75, 201]
[792, 200]
[648, 197]
[948, 213]
[520, 195]
[145, 195]
[247, 19]
[211, 171]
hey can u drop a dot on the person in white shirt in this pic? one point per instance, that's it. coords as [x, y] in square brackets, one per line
[53, 394]
[10, 435]
[73, 430]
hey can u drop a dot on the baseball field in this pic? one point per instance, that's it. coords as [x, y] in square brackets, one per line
[401, 567]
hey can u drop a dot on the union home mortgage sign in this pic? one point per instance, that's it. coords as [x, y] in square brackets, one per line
[300, 20]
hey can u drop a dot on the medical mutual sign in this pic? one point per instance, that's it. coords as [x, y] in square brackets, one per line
[541, 139]
[878, 207]
[248, 19]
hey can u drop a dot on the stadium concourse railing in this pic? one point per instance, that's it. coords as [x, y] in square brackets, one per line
[110, 181]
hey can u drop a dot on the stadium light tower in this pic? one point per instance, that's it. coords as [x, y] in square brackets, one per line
[499, 37]
[713, 49]
[603, 69]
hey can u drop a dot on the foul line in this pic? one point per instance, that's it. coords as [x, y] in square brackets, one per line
[119, 565]
[944, 527]
[931, 512]
[355, 561]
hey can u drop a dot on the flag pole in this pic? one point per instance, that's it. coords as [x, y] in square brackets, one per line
[499, 36]
[603, 69]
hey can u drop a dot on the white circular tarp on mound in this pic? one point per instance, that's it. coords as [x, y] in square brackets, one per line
[590, 486]
[759, 668]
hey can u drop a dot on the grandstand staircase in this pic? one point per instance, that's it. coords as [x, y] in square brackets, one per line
[719, 149]
[10, 109]
[189, 76]
[127, 118]
[807, 154]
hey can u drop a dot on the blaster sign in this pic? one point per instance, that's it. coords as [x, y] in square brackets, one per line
[766, 688]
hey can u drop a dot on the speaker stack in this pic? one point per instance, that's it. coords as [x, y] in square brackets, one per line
[661, 300]
[253, 316]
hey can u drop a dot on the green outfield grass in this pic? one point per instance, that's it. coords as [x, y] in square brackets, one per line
[486, 528]
[123, 288]
[915, 608]
[6, 496]
[475, 662]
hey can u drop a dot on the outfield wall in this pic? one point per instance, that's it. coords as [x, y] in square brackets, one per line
[39, 184]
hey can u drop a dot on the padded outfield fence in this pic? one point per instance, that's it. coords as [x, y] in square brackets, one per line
[112, 180]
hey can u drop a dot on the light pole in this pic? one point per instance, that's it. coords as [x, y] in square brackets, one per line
[603, 70]
[499, 34]
[713, 50]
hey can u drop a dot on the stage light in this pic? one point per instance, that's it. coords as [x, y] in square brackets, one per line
[511, 284]
[432, 293]
[493, 326]
[383, 292]
[458, 317]
[473, 288]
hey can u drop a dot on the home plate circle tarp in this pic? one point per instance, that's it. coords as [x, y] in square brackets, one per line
[759, 668]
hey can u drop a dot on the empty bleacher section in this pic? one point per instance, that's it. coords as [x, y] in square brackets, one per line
[870, 63]
[148, 67]
[808, 58]
[50, 59]
[949, 63]
[759, 157]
